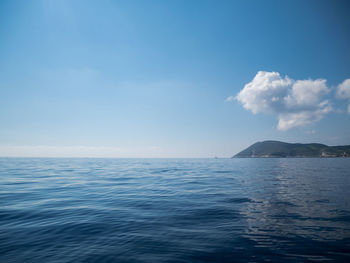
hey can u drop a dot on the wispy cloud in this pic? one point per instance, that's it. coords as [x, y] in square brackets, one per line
[91, 151]
[60, 151]
[230, 99]
[311, 132]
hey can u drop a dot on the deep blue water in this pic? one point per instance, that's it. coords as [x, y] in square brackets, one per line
[174, 210]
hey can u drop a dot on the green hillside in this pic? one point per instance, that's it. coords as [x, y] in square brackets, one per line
[283, 149]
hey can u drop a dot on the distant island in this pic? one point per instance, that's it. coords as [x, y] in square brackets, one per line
[282, 149]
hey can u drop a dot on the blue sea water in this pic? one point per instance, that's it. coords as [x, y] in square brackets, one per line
[174, 210]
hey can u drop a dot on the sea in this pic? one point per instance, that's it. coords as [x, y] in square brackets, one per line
[174, 210]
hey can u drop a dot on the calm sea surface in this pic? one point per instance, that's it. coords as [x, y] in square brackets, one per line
[174, 210]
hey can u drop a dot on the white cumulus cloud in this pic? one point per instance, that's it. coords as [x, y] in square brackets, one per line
[290, 120]
[306, 93]
[295, 102]
[265, 93]
[343, 91]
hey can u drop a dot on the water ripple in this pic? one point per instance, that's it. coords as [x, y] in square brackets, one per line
[174, 210]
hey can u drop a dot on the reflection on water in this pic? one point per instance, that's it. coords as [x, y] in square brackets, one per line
[174, 210]
[303, 201]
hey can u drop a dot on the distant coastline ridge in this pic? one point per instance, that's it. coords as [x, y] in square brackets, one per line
[277, 149]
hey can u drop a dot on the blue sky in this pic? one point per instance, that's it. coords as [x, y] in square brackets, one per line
[161, 78]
